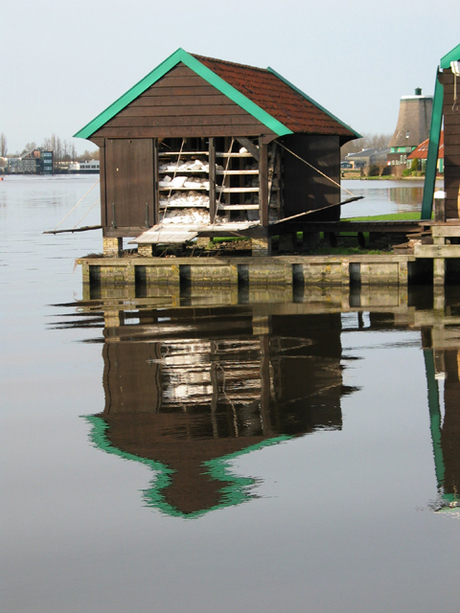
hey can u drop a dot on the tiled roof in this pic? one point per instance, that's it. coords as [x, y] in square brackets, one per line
[263, 93]
[421, 152]
[278, 98]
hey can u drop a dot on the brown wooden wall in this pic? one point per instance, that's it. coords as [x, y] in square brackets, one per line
[181, 104]
[451, 145]
[129, 183]
[304, 189]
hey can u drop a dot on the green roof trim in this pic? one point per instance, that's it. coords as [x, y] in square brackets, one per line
[304, 95]
[203, 71]
[237, 490]
[433, 150]
[452, 56]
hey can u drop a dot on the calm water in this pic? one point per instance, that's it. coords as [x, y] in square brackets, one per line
[200, 454]
[383, 197]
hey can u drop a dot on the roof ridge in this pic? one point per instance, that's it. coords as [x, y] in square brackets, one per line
[228, 62]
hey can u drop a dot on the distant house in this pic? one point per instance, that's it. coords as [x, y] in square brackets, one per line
[421, 153]
[412, 128]
[37, 161]
[368, 157]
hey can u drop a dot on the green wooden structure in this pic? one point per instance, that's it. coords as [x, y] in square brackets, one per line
[439, 105]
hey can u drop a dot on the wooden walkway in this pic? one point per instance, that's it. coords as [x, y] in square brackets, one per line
[446, 245]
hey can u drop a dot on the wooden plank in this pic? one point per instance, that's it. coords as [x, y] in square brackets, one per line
[437, 251]
[164, 100]
[143, 114]
[177, 109]
[238, 207]
[165, 234]
[451, 140]
[158, 91]
[72, 230]
[179, 131]
[452, 159]
[249, 145]
[238, 190]
[445, 230]
[173, 81]
[180, 70]
[174, 121]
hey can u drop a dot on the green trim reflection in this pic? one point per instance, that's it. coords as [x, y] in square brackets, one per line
[236, 491]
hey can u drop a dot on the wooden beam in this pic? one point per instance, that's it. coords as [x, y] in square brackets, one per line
[156, 193]
[212, 179]
[102, 179]
[249, 145]
[263, 184]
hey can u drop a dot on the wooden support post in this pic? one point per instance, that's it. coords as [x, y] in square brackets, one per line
[212, 180]
[156, 193]
[440, 206]
[439, 271]
[263, 183]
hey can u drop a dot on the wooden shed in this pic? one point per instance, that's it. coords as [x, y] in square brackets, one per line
[202, 145]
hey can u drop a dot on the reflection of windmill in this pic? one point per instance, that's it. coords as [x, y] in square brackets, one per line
[187, 394]
[445, 365]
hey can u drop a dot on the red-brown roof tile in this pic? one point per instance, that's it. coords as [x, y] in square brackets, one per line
[277, 98]
[421, 152]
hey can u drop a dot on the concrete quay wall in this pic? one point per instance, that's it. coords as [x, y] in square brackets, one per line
[261, 272]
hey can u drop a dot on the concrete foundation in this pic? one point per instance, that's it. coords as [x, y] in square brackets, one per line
[261, 247]
[112, 247]
[264, 275]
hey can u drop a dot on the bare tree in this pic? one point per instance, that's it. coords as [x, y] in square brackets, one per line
[369, 141]
[29, 147]
[3, 145]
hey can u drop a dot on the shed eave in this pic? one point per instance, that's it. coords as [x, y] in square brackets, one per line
[304, 95]
[130, 95]
[452, 56]
[203, 71]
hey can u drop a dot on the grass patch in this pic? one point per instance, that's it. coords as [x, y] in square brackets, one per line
[390, 217]
[342, 250]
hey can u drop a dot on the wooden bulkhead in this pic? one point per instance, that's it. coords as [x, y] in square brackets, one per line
[451, 112]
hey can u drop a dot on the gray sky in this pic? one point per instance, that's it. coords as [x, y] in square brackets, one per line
[64, 62]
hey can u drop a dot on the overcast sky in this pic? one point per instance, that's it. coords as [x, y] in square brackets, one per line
[63, 62]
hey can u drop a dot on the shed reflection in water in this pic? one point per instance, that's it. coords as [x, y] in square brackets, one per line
[189, 388]
[220, 382]
[444, 365]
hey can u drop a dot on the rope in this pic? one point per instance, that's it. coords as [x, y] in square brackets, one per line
[314, 168]
[73, 209]
[89, 211]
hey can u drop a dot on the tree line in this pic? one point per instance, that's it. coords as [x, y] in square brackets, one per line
[63, 150]
[368, 141]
